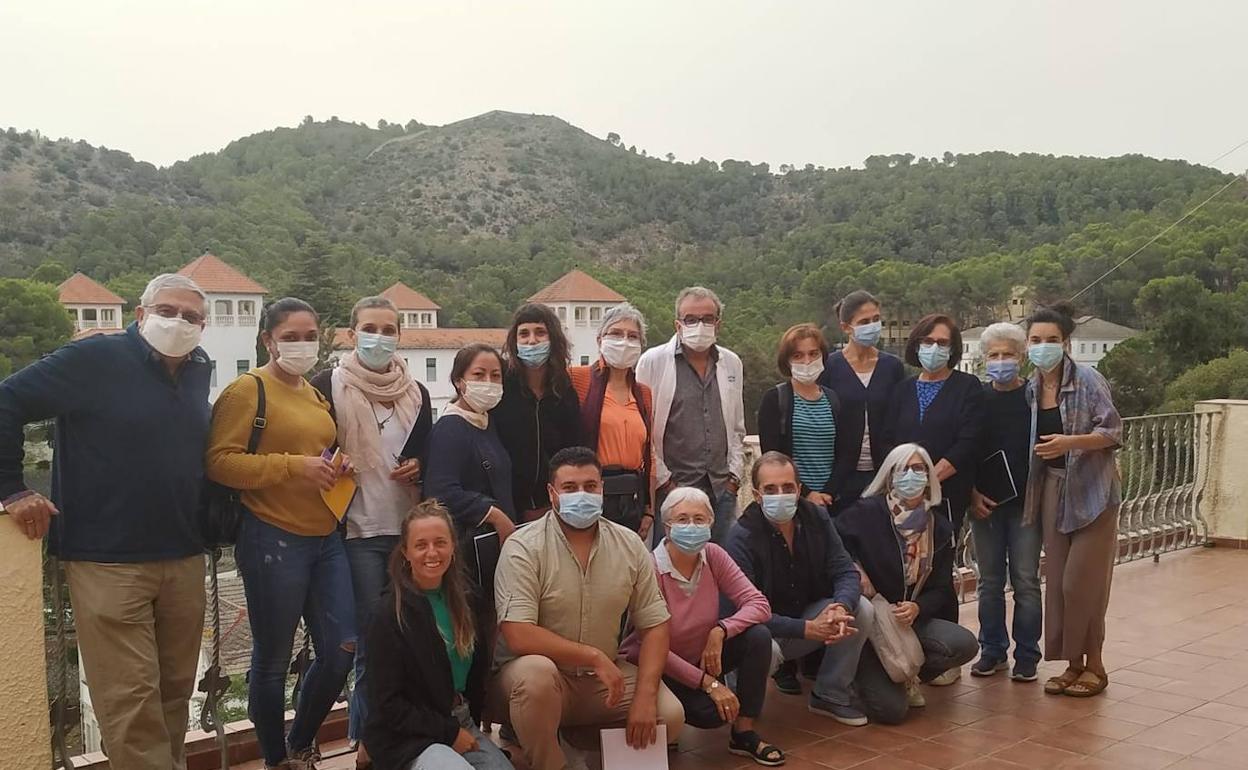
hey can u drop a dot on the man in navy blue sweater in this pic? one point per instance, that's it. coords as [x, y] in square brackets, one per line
[787, 546]
[131, 414]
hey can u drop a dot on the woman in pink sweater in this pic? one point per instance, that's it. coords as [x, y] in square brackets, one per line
[693, 575]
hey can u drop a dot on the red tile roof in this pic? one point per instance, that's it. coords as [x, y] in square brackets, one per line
[436, 339]
[78, 289]
[577, 286]
[216, 277]
[406, 298]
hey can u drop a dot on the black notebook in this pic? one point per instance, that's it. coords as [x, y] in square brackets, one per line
[994, 480]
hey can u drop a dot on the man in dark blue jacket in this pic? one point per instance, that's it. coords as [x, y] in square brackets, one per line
[131, 414]
[789, 549]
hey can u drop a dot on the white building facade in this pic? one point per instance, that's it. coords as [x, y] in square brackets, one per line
[233, 326]
[93, 308]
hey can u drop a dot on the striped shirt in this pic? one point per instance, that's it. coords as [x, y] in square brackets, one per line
[814, 440]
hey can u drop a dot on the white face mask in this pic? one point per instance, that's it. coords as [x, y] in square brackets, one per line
[698, 337]
[619, 352]
[807, 373]
[172, 337]
[296, 358]
[482, 396]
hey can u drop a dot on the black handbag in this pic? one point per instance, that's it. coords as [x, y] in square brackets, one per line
[223, 506]
[623, 497]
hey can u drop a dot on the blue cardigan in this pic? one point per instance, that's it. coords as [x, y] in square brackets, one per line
[128, 470]
[468, 471]
[857, 404]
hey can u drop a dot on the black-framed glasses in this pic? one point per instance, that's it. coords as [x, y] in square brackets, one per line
[169, 311]
[934, 341]
[693, 320]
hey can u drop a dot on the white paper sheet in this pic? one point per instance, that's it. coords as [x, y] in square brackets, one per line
[618, 755]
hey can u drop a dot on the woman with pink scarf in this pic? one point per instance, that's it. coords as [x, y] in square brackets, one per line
[383, 418]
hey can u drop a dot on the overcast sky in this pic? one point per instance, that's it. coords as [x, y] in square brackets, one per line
[817, 81]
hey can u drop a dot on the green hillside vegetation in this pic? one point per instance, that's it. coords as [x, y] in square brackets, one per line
[480, 214]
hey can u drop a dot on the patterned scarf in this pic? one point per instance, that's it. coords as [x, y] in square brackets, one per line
[915, 528]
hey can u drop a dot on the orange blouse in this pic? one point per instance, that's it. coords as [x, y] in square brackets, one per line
[621, 433]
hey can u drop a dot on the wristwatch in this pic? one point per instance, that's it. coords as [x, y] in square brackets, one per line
[712, 687]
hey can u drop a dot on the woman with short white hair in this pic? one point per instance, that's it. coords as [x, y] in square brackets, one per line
[693, 574]
[1002, 538]
[897, 509]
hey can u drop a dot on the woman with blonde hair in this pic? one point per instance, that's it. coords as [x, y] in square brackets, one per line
[427, 658]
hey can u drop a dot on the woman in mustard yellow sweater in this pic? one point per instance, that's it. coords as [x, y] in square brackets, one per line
[289, 553]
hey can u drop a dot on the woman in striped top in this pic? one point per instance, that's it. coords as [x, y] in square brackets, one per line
[799, 417]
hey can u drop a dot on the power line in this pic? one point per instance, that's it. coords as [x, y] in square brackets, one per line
[1173, 225]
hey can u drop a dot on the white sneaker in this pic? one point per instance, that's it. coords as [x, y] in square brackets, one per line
[947, 678]
[914, 695]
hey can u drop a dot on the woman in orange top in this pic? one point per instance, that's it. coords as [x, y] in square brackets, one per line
[616, 415]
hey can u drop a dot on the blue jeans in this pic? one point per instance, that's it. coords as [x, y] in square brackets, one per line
[945, 645]
[725, 515]
[439, 756]
[999, 539]
[286, 577]
[369, 558]
[840, 659]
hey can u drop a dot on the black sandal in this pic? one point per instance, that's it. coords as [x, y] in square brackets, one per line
[750, 744]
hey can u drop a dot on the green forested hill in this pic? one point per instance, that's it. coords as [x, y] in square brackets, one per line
[481, 213]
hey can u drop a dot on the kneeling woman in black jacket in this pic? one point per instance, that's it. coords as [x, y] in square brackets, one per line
[427, 669]
[905, 553]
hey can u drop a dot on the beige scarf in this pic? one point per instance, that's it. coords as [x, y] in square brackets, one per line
[356, 389]
[475, 419]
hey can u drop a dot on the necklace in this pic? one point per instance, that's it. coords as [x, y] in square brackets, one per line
[381, 424]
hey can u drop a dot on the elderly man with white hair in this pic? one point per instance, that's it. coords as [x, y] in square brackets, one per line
[1003, 539]
[904, 551]
[131, 414]
[694, 574]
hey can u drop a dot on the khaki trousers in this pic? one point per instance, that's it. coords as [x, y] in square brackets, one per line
[1078, 569]
[538, 699]
[139, 632]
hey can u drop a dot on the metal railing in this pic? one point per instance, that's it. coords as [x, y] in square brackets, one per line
[1164, 465]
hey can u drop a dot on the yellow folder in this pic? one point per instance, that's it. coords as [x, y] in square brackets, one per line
[338, 497]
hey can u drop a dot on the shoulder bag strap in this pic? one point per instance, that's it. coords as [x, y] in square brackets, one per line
[259, 422]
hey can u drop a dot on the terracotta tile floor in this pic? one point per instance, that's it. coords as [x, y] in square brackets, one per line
[1178, 696]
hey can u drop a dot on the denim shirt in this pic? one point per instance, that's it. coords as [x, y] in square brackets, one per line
[1093, 485]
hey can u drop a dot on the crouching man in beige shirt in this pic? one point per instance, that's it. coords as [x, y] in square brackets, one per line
[562, 585]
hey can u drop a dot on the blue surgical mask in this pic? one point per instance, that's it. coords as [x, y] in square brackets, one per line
[933, 357]
[690, 538]
[1003, 371]
[909, 484]
[868, 334]
[1046, 355]
[779, 508]
[534, 355]
[375, 350]
[579, 510]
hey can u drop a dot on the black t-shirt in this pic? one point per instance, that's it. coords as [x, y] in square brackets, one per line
[1007, 427]
[1048, 423]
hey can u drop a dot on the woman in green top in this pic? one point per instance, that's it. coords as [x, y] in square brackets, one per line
[427, 667]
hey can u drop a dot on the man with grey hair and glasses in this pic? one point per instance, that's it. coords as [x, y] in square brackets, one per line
[699, 414]
[131, 422]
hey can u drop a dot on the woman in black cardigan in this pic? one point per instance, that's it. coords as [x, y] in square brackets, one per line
[801, 418]
[428, 662]
[863, 377]
[539, 413]
[905, 554]
[942, 410]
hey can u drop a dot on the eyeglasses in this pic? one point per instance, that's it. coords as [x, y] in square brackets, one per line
[934, 341]
[621, 334]
[916, 467]
[701, 521]
[169, 311]
[693, 320]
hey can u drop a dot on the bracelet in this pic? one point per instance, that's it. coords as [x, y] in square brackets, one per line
[647, 515]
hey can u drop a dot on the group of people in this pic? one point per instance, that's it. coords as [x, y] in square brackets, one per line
[562, 549]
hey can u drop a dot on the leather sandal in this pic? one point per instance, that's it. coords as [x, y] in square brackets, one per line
[1058, 684]
[1087, 685]
[750, 744]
